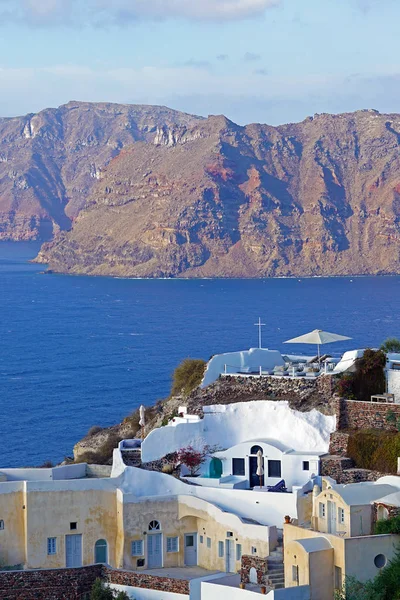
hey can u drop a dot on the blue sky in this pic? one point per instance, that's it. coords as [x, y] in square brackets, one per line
[271, 61]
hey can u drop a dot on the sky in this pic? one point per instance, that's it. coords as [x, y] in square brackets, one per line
[269, 61]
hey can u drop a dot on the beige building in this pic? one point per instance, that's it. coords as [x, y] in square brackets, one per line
[338, 540]
[73, 522]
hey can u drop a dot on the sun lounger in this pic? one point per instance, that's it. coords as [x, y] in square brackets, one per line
[278, 487]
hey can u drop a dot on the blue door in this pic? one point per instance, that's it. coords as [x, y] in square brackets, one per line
[73, 550]
[154, 550]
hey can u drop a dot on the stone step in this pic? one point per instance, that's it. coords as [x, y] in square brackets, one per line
[276, 580]
[275, 567]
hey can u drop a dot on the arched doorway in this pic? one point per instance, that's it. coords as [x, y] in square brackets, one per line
[254, 478]
[215, 468]
[154, 545]
[100, 551]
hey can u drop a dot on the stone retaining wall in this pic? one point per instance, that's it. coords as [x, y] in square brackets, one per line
[352, 414]
[338, 443]
[73, 584]
[301, 392]
[143, 580]
[259, 564]
[342, 470]
[49, 584]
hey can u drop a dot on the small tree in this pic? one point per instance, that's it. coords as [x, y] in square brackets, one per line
[187, 376]
[391, 345]
[192, 459]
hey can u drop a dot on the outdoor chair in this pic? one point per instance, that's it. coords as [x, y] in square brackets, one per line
[278, 487]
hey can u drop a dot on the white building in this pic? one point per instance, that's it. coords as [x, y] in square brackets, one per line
[238, 466]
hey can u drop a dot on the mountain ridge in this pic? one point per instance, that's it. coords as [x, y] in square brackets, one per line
[142, 191]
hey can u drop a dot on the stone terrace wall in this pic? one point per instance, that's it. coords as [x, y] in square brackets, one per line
[260, 565]
[71, 584]
[142, 580]
[342, 470]
[301, 392]
[352, 414]
[49, 584]
[338, 443]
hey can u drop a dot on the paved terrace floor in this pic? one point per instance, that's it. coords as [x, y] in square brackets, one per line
[186, 573]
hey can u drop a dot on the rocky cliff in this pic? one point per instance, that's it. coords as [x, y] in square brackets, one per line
[50, 161]
[149, 192]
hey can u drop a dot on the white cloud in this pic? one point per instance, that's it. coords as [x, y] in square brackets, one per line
[121, 12]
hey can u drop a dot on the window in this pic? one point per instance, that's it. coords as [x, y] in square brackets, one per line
[341, 515]
[100, 551]
[338, 578]
[1, 524]
[306, 465]
[295, 573]
[229, 534]
[238, 551]
[238, 466]
[73, 526]
[52, 545]
[154, 526]
[172, 544]
[274, 468]
[380, 561]
[321, 510]
[253, 550]
[221, 549]
[201, 539]
[208, 542]
[255, 449]
[137, 548]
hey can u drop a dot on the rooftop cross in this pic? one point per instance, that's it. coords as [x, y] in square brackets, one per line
[259, 325]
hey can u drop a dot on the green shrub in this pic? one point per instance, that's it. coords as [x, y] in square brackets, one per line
[374, 449]
[169, 418]
[368, 378]
[390, 417]
[101, 591]
[187, 376]
[391, 525]
[391, 345]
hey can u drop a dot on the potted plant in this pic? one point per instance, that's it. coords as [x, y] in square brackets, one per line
[287, 519]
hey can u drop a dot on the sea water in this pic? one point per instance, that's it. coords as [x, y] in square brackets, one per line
[83, 351]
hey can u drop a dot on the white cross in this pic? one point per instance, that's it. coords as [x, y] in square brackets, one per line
[259, 325]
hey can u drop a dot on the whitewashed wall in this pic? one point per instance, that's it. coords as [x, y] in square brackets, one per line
[265, 507]
[53, 474]
[214, 591]
[291, 464]
[227, 425]
[245, 359]
[393, 384]
[145, 594]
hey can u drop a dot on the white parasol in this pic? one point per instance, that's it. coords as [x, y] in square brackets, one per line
[141, 415]
[260, 468]
[318, 337]
[142, 420]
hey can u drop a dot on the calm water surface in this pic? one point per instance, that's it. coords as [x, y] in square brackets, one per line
[82, 351]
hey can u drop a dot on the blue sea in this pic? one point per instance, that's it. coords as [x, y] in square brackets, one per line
[83, 351]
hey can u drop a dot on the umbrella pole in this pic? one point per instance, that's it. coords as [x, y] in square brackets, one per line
[260, 481]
